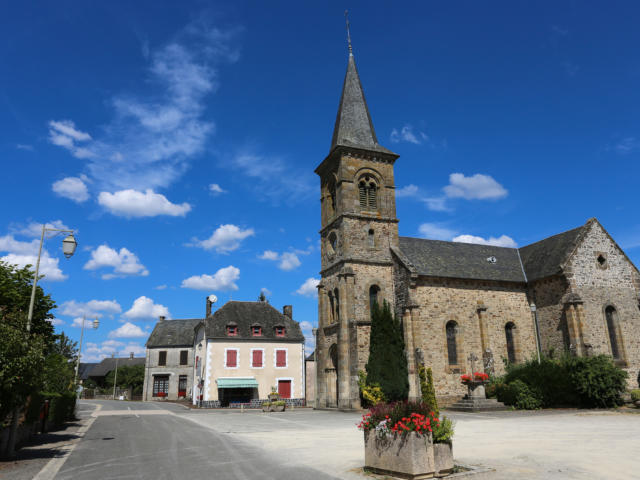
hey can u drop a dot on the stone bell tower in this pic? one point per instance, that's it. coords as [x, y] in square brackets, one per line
[358, 227]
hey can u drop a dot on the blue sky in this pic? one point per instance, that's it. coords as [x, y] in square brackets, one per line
[180, 140]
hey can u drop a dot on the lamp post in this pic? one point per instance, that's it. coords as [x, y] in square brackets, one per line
[96, 323]
[69, 245]
[536, 327]
[115, 377]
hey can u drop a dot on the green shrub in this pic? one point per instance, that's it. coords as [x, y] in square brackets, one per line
[427, 389]
[62, 406]
[526, 397]
[635, 395]
[33, 409]
[370, 393]
[505, 394]
[443, 432]
[278, 403]
[549, 377]
[597, 380]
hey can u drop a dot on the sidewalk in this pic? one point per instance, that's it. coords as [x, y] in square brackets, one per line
[34, 455]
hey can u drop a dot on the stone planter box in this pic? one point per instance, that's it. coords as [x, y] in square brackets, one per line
[277, 408]
[408, 455]
[266, 408]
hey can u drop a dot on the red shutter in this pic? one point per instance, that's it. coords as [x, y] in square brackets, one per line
[257, 358]
[281, 358]
[231, 358]
[284, 388]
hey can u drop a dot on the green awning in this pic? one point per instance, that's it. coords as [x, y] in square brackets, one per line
[247, 382]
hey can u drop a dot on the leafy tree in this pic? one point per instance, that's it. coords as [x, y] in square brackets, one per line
[427, 389]
[65, 346]
[387, 364]
[129, 376]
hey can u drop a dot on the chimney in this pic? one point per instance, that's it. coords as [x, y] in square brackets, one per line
[208, 307]
[161, 318]
[287, 310]
[131, 355]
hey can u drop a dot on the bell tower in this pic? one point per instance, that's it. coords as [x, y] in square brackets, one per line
[358, 227]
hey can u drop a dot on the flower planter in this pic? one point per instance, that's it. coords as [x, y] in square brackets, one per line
[410, 455]
[277, 408]
[266, 408]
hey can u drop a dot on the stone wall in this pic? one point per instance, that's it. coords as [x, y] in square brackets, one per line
[547, 294]
[172, 368]
[599, 284]
[441, 300]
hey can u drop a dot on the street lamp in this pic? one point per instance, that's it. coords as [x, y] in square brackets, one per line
[536, 327]
[69, 245]
[96, 323]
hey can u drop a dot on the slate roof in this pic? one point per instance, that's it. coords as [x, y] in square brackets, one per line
[437, 258]
[246, 314]
[84, 369]
[354, 127]
[108, 364]
[173, 333]
[544, 258]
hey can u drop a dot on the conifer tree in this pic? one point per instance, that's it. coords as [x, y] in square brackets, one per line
[387, 365]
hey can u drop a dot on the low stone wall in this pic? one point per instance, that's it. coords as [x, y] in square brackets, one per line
[255, 403]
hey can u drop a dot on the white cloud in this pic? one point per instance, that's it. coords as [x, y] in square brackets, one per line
[91, 309]
[152, 136]
[288, 260]
[64, 133]
[475, 187]
[72, 188]
[406, 134]
[501, 241]
[48, 266]
[225, 239]
[161, 287]
[627, 145]
[407, 191]
[437, 204]
[269, 255]
[309, 288]
[435, 231]
[216, 189]
[132, 203]
[123, 262]
[35, 229]
[128, 330]
[55, 322]
[144, 308]
[22, 146]
[224, 279]
[310, 340]
[94, 352]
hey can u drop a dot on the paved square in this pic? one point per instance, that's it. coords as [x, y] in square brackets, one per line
[551, 444]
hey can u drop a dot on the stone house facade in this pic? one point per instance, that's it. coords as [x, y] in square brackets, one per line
[463, 306]
[170, 360]
[246, 349]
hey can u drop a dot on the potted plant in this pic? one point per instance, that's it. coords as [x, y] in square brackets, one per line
[475, 383]
[278, 406]
[407, 439]
[274, 395]
[266, 406]
[161, 395]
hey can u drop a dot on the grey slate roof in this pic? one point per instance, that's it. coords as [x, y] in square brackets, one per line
[84, 369]
[437, 258]
[544, 258]
[246, 314]
[173, 333]
[354, 127]
[108, 364]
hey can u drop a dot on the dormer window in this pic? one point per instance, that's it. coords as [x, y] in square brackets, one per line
[232, 330]
[256, 331]
[280, 331]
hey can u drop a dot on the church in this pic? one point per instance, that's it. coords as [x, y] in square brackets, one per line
[462, 306]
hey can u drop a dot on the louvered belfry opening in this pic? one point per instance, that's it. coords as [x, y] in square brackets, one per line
[368, 192]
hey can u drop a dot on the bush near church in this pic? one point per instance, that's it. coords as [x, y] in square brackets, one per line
[568, 381]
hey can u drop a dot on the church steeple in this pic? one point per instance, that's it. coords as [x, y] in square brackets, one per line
[354, 127]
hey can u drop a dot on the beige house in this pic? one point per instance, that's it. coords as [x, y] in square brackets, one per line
[243, 351]
[169, 361]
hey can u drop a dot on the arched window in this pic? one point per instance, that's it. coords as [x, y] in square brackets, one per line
[332, 194]
[373, 297]
[333, 242]
[610, 314]
[332, 311]
[368, 193]
[337, 305]
[372, 238]
[509, 331]
[452, 342]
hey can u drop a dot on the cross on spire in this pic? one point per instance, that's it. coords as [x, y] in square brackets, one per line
[346, 18]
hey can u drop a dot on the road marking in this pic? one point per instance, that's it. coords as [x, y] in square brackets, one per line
[129, 408]
[107, 413]
[52, 467]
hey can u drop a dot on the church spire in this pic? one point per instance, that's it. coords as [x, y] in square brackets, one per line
[354, 127]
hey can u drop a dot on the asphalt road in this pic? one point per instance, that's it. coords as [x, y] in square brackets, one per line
[147, 441]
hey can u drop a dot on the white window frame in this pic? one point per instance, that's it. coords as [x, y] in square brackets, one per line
[286, 359]
[237, 359]
[293, 385]
[251, 358]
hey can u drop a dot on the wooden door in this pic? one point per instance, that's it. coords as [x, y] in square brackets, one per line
[284, 388]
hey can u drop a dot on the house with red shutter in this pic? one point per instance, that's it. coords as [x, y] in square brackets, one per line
[243, 351]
